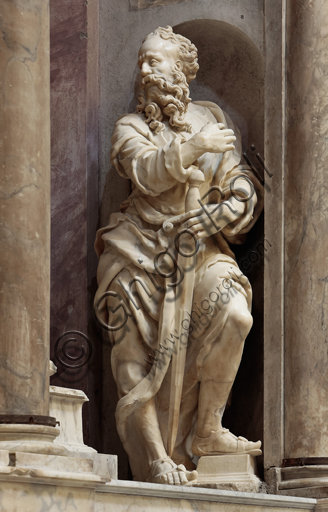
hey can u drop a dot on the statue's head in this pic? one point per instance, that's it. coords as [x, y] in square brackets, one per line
[168, 63]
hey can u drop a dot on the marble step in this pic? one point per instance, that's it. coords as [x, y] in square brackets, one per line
[123, 496]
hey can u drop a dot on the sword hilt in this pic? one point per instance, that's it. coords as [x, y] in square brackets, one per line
[196, 179]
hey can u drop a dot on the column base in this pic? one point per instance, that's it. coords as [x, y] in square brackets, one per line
[30, 438]
[304, 481]
[228, 472]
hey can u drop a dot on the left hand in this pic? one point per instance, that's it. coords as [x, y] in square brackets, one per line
[205, 223]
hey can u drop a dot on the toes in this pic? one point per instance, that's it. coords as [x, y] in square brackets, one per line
[170, 479]
[192, 475]
[253, 446]
[250, 445]
[176, 478]
[183, 478]
[163, 479]
[257, 445]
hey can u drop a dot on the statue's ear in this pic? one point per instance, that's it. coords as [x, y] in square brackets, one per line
[178, 65]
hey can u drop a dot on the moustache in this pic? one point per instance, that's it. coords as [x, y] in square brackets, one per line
[165, 85]
[153, 79]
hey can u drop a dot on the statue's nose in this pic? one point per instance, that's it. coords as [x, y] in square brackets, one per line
[145, 69]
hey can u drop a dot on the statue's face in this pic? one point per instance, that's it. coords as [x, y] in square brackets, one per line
[160, 57]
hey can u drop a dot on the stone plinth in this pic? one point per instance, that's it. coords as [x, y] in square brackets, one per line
[66, 405]
[230, 472]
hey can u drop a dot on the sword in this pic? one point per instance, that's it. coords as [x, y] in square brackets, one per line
[183, 306]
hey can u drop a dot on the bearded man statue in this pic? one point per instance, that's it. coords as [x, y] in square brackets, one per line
[159, 148]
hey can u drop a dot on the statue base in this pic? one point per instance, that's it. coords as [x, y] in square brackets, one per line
[228, 472]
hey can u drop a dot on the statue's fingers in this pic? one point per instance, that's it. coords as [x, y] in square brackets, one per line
[228, 131]
[230, 138]
[196, 227]
[188, 224]
[189, 215]
[195, 220]
[202, 234]
[230, 147]
[205, 225]
[198, 236]
[221, 126]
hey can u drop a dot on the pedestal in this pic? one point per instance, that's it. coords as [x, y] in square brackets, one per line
[66, 405]
[230, 472]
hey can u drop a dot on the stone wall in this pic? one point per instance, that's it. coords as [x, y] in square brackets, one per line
[74, 46]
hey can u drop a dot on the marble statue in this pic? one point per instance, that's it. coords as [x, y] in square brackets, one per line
[176, 305]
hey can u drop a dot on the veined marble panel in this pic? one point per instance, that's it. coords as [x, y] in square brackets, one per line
[18, 497]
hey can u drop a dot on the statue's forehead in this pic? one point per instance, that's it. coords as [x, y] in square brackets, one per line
[156, 44]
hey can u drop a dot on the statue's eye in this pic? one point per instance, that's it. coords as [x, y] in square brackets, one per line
[153, 62]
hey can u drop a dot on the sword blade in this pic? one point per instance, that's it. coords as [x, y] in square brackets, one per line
[184, 305]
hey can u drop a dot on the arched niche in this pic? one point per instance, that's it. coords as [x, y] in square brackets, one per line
[231, 74]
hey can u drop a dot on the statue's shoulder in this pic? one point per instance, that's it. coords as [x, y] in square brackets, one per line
[217, 112]
[134, 120]
[128, 127]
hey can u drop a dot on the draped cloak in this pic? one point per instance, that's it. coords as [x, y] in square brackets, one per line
[135, 236]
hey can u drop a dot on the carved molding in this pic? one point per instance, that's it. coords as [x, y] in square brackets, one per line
[135, 5]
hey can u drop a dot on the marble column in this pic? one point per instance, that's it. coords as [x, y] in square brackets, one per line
[297, 370]
[25, 211]
[306, 231]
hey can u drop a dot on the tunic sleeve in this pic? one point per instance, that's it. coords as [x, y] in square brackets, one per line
[152, 169]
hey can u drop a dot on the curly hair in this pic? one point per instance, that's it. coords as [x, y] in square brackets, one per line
[187, 50]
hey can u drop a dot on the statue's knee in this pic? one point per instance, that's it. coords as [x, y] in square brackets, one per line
[241, 319]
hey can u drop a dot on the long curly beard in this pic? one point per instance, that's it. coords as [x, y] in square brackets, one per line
[171, 101]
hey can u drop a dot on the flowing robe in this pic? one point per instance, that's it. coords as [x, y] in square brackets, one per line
[130, 244]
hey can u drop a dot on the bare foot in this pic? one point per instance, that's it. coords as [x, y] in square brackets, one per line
[223, 442]
[165, 471]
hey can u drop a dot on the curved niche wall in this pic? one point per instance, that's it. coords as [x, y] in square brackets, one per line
[231, 74]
